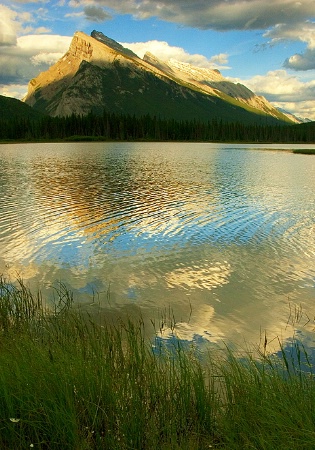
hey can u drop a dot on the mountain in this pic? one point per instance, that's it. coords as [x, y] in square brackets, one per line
[98, 73]
[11, 107]
[294, 118]
[212, 82]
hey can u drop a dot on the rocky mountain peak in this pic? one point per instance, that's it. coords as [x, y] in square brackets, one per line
[97, 72]
[100, 37]
[80, 47]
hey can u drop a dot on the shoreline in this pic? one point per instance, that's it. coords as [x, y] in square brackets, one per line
[93, 139]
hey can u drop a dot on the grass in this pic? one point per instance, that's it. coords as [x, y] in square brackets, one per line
[68, 382]
[304, 151]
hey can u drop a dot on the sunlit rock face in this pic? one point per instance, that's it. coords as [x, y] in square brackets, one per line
[50, 90]
[98, 73]
[212, 82]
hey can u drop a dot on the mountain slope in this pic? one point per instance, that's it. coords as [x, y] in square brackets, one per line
[13, 108]
[212, 82]
[97, 73]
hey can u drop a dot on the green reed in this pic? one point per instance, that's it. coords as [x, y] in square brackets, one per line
[68, 382]
[304, 151]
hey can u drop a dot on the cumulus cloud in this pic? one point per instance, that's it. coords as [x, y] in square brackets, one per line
[46, 43]
[45, 58]
[220, 59]
[302, 61]
[31, 55]
[215, 14]
[13, 90]
[165, 52]
[281, 86]
[14, 23]
[96, 14]
[9, 26]
[284, 19]
[285, 90]
[304, 110]
[14, 64]
[304, 32]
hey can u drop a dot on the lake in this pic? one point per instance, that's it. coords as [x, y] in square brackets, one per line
[221, 236]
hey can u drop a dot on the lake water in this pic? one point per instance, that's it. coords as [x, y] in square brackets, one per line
[223, 236]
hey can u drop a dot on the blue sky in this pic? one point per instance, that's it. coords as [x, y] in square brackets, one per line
[268, 46]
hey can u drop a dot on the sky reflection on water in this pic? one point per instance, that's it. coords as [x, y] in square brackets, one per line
[225, 231]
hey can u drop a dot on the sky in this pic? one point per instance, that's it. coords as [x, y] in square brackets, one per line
[269, 46]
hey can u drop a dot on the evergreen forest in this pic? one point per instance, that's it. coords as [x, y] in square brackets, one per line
[112, 127]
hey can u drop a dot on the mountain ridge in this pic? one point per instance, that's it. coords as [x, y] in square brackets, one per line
[98, 73]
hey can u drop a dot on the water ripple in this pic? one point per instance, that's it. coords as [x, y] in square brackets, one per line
[229, 223]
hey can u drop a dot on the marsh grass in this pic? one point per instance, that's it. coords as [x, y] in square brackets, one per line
[68, 382]
[304, 151]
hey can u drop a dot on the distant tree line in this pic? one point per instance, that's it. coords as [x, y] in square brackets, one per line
[110, 127]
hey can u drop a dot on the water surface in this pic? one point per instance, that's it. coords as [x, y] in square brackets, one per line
[223, 235]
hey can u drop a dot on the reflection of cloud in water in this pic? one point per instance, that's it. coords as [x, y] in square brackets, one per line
[16, 270]
[206, 276]
[158, 224]
[199, 324]
[204, 327]
[142, 279]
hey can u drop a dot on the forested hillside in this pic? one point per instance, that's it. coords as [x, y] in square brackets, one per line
[125, 127]
[12, 108]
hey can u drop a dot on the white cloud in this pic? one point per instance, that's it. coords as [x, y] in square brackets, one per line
[31, 54]
[304, 32]
[9, 26]
[165, 52]
[42, 30]
[285, 90]
[46, 43]
[302, 61]
[303, 109]
[45, 58]
[220, 59]
[13, 90]
[284, 19]
[75, 14]
[14, 23]
[214, 14]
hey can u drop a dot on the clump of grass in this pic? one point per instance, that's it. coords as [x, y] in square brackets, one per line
[67, 382]
[269, 404]
[304, 151]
